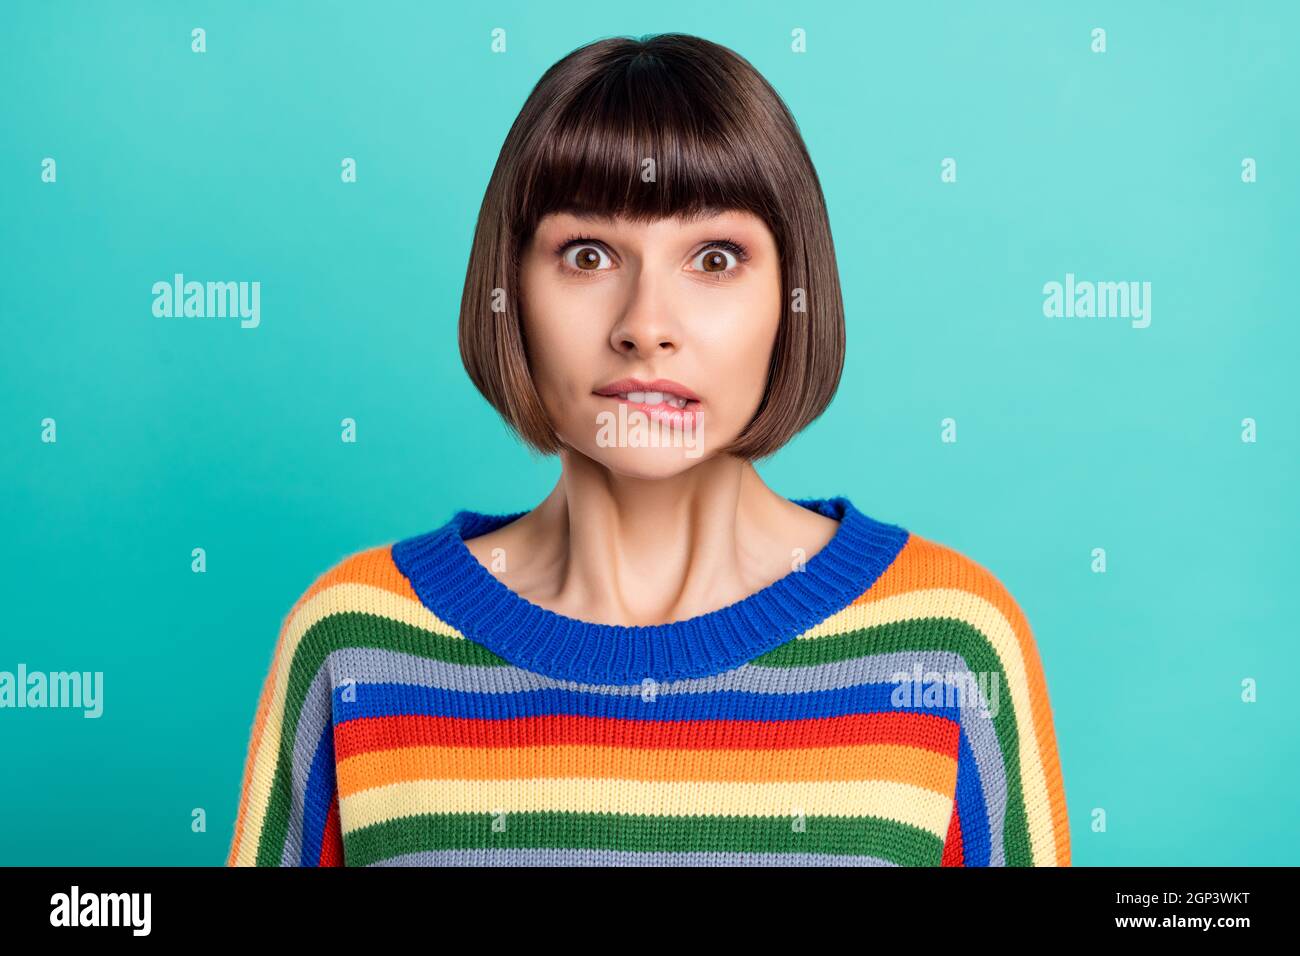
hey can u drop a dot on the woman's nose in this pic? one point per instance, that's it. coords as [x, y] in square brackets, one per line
[646, 326]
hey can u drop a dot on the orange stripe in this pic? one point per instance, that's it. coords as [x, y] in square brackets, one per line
[373, 566]
[923, 564]
[892, 762]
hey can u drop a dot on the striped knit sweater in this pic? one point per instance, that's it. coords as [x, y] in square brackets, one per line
[882, 705]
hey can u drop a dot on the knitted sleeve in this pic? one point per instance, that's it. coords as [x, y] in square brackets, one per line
[289, 805]
[1009, 806]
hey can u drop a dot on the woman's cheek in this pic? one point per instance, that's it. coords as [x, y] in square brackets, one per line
[741, 349]
[567, 364]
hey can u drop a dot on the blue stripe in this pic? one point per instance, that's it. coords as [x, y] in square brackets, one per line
[318, 798]
[972, 811]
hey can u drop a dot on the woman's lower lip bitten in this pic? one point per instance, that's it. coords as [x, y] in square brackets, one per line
[661, 412]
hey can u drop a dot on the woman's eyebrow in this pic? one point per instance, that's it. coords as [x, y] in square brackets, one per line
[577, 212]
[705, 212]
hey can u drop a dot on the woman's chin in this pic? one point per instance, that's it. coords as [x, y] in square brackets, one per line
[647, 463]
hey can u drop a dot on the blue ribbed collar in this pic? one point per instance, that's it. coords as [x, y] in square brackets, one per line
[452, 584]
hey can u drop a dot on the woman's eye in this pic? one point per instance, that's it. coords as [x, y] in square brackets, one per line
[586, 258]
[715, 260]
[590, 257]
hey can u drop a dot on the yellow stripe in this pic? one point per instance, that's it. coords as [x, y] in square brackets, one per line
[974, 610]
[902, 802]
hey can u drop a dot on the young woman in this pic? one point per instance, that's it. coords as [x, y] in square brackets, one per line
[664, 662]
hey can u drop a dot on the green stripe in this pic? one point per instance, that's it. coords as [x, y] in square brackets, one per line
[867, 836]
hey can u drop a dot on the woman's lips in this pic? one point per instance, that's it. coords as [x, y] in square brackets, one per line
[665, 411]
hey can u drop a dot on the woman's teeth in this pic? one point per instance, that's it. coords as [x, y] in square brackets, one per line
[653, 398]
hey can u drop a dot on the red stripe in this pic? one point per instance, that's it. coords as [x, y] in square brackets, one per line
[331, 848]
[952, 846]
[926, 731]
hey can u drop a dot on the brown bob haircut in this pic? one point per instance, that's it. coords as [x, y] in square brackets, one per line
[721, 138]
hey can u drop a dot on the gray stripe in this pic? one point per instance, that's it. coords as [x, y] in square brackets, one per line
[317, 714]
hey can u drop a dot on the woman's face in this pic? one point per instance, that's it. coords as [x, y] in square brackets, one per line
[649, 342]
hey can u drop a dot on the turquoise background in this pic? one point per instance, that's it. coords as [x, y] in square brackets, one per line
[1073, 433]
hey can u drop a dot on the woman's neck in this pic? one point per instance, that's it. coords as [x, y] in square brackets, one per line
[616, 550]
